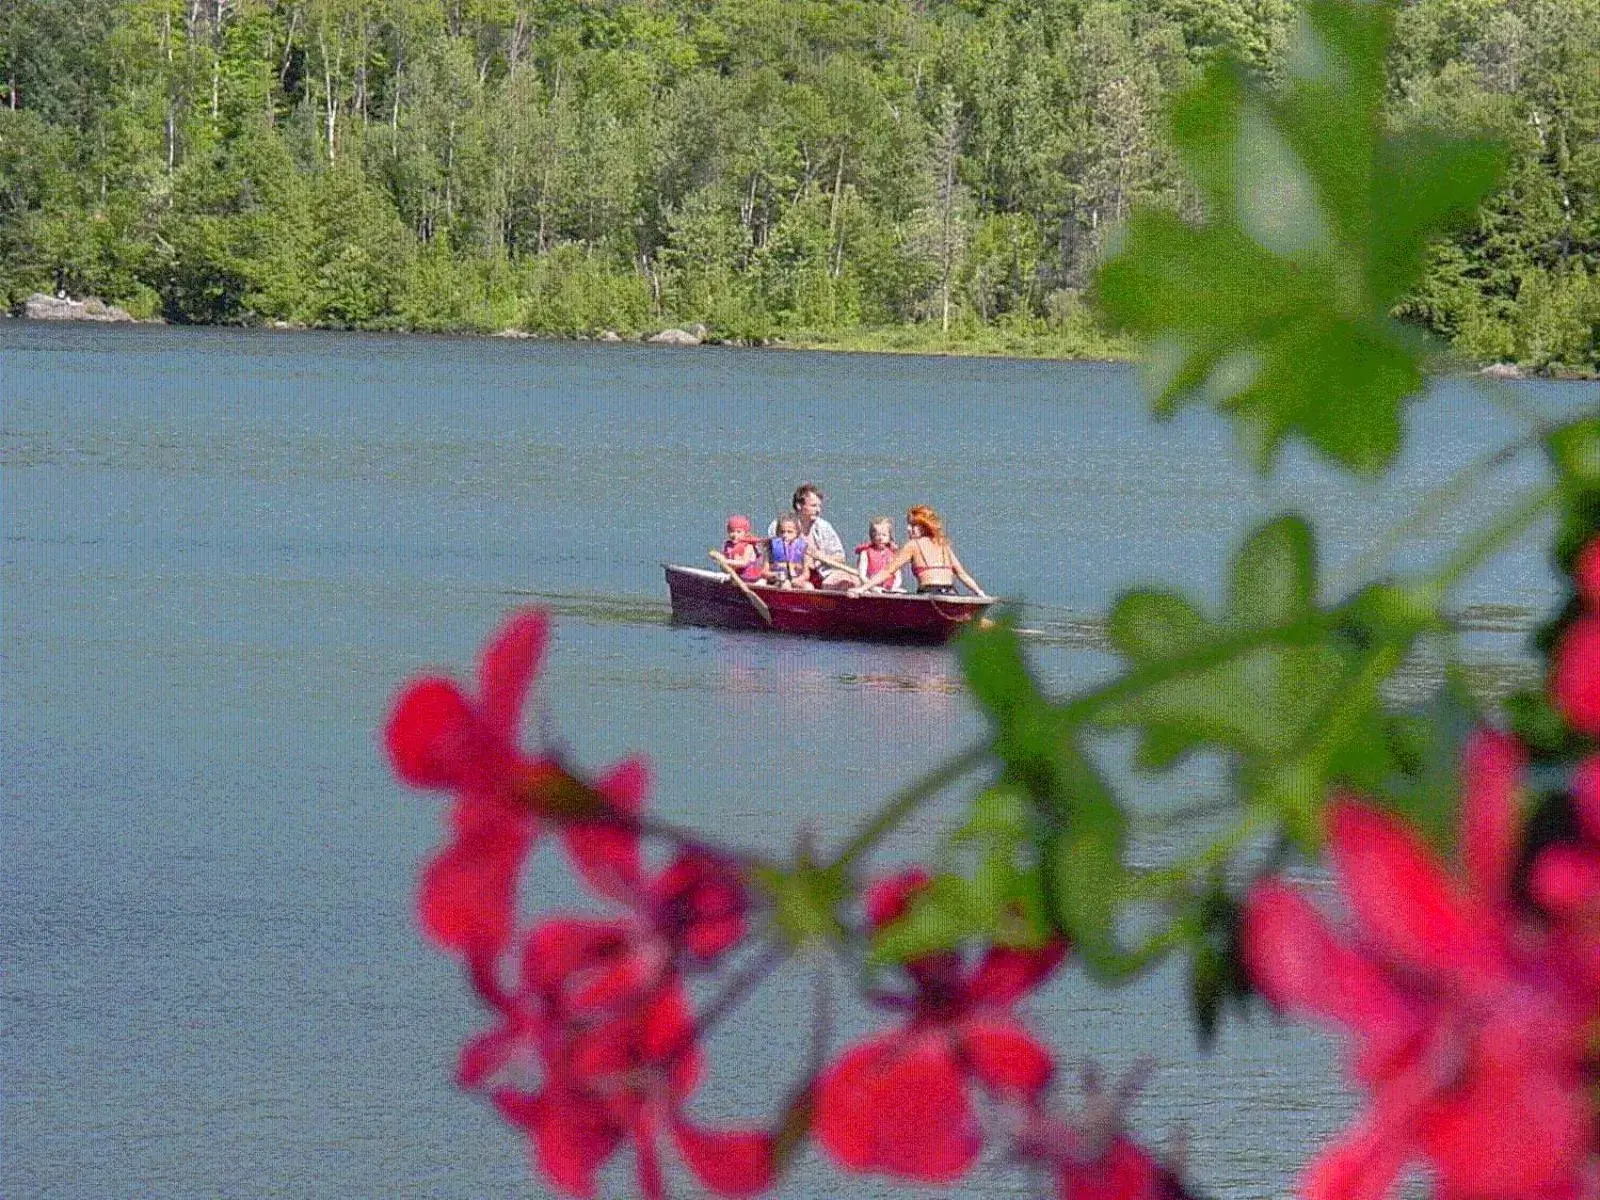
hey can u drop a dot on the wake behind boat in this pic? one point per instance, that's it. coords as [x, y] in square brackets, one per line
[702, 597]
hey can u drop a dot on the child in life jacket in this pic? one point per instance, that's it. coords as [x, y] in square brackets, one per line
[743, 552]
[877, 552]
[786, 555]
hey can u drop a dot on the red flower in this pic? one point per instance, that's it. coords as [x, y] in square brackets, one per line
[623, 1078]
[1467, 1036]
[1093, 1158]
[440, 737]
[688, 916]
[1575, 674]
[897, 1103]
[1586, 573]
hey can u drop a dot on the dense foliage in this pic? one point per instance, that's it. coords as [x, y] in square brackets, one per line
[765, 167]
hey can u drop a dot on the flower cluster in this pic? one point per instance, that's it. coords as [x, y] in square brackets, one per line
[1470, 992]
[1575, 663]
[594, 1042]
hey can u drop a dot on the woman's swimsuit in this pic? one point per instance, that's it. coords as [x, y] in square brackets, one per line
[920, 568]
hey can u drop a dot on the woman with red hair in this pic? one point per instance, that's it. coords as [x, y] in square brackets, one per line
[931, 556]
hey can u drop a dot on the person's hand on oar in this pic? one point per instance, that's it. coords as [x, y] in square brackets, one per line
[756, 601]
[813, 556]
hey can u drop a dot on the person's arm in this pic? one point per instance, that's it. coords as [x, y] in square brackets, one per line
[900, 560]
[826, 539]
[861, 565]
[838, 564]
[961, 574]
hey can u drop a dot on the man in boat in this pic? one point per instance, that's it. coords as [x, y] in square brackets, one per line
[821, 538]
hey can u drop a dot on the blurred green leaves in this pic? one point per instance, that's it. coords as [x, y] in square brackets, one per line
[1291, 691]
[1276, 306]
[1000, 897]
[1079, 828]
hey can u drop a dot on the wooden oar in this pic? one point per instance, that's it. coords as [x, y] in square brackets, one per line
[756, 601]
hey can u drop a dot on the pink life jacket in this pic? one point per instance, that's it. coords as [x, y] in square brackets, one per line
[878, 559]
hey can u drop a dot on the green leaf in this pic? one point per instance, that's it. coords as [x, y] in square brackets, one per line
[1276, 307]
[940, 917]
[1003, 900]
[1086, 880]
[1574, 448]
[1274, 575]
[805, 899]
[1291, 692]
[1081, 836]
[1217, 976]
[1424, 785]
[1028, 731]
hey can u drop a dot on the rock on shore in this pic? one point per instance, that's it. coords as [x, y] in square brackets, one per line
[673, 337]
[39, 307]
[1503, 370]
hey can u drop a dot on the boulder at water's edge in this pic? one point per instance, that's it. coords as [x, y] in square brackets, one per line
[1503, 370]
[39, 307]
[674, 337]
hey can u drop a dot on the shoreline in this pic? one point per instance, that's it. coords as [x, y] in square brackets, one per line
[895, 340]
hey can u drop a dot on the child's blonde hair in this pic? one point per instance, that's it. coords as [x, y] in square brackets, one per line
[786, 518]
[872, 526]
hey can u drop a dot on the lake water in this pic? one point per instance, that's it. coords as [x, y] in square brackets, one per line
[223, 550]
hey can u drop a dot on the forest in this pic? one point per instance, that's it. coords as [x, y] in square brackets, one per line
[935, 174]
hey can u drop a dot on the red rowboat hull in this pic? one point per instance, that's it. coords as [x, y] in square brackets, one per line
[701, 597]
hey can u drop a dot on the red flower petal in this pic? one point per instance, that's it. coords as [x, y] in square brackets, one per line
[1586, 573]
[506, 671]
[1298, 964]
[668, 1038]
[888, 899]
[1566, 880]
[1126, 1171]
[605, 854]
[896, 1104]
[1004, 1056]
[572, 1137]
[429, 733]
[738, 1163]
[711, 938]
[468, 891]
[1404, 900]
[1586, 796]
[1491, 772]
[1361, 1165]
[1575, 674]
[700, 902]
[1006, 974]
[1512, 1128]
[583, 966]
[505, 1058]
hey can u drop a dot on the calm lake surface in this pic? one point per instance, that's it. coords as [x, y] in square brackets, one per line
[224, 550]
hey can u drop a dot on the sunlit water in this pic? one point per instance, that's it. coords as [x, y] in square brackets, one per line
[223, 550]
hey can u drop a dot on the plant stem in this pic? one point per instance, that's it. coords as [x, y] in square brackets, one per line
[1492, 539]
[905, 802]
[1301, 631]
[1434, 505]
[1165, 880]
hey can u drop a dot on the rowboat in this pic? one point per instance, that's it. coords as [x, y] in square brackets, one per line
[702, 597]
